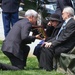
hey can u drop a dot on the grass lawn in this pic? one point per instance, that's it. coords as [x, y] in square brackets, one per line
[31, 68]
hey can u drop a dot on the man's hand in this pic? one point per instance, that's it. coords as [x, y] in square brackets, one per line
[46, 44]
[22, 3]
[38, 37]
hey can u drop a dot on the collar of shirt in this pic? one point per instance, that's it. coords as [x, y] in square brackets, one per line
[67, 20]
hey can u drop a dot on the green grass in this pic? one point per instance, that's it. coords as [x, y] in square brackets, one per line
[31, 68]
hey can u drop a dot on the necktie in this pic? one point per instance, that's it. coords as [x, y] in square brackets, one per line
[62, 27]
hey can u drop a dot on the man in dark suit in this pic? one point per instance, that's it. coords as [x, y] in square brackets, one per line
[9, 13]
[62, 43]
[61, 4]
[15, 45]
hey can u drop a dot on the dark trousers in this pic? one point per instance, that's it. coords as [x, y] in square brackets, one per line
[17, 63]
[46, 59]
[9, 18]
[47, 55]
[37, 51]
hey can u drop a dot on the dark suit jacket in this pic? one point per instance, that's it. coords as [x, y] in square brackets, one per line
[54, 32]
[10, 5]
[22, 1]
[66, 39]
[17, 37]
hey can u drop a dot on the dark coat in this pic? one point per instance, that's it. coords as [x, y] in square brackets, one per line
[66, 39]
[54, 32]
[51, 32]
[10, 5]
[18, 37]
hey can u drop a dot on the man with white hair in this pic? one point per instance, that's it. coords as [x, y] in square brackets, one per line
[15, 44]
[60, 6]
[62, 43]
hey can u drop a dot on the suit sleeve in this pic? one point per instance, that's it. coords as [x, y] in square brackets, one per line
[25, 34]
[22, 1]
[65, 36]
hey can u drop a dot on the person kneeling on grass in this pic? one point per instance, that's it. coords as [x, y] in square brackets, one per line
[15, 44]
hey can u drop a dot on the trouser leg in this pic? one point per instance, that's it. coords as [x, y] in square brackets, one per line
[14, 18]
[37, 51]
[7, 19]
[49, 59]
[6, 22]
[42, 62]
[8, 67]
[25, 54]
[16, 63]
[46, 59]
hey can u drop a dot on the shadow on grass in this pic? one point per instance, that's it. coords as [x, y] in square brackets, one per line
[33, 69]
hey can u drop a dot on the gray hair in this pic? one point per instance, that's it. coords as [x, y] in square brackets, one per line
[69, 10]
[30, 13]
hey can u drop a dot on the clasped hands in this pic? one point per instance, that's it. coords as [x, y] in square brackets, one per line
[46, 44]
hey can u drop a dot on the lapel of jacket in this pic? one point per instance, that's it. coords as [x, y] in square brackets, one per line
[69, 22]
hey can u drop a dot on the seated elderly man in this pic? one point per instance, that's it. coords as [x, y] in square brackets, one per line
[63, 42]
[51, 31]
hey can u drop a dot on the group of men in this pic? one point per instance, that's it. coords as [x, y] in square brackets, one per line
[62, 40]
